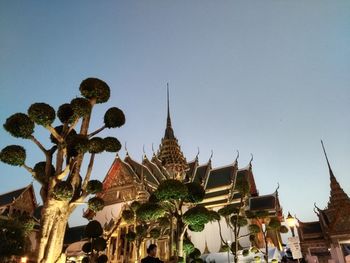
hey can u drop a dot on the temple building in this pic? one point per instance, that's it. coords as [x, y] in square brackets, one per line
[329, 237]
[128, 180]
[22, 202]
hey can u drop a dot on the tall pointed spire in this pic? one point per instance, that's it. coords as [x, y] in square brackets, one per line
[169, 151]
[169, 133]
[331, 174]
[337, 195]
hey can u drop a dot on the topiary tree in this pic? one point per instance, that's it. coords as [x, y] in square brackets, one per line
[174, 194]
[14, 234]
[235, 217]
[62, 185]
[265, 224]
[96, 245]
[143, 218]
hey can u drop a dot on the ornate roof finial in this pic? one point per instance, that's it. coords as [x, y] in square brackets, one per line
[211, 155]
[237, 156]
[169, 133]
[197, 154]
[337, 195]
[126, 149]
[329, 166]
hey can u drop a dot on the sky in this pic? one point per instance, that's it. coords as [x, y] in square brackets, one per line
[269, 78]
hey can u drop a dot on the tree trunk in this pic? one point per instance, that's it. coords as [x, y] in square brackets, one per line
[180, 244]
[53, 225]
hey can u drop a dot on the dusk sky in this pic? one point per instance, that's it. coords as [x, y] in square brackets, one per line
[269, 78]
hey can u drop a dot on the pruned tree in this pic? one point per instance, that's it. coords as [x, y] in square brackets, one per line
[14, 236]
[144, 219]
[174, 194]
[265, 224]
[63, 185]
[97, 244]
[235, 217]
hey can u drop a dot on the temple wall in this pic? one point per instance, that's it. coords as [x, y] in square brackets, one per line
[212, 236]
[109, 211]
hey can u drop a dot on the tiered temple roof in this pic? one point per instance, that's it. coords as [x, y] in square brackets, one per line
[127, 176]
[333, 223]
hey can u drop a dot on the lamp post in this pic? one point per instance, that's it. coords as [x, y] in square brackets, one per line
[291, 223]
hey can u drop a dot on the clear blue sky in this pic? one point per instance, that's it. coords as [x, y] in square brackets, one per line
[264, 77]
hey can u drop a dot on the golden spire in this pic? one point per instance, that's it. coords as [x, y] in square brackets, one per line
[337, 195]
[170, 153]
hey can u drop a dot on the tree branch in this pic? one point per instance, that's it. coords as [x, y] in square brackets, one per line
[97, 131]
[41, 147]
[74, 124]
[54, 133]
[88, 172]
[64, 173]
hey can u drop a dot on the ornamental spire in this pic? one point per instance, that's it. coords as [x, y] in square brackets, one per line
[337, 195]
[169, 133]
[170, 153]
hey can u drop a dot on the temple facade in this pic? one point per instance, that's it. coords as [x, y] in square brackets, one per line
[328, 239]
[22, 202]
[128, 180]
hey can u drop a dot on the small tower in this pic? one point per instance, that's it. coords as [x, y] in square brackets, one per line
[170, 153]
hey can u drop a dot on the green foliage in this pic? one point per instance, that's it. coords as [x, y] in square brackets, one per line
[197, 215]
[77, 144]
[254, 250]
[242, 184]
[283, 229]
[188, 246]
[94, 88]
[96, 204]
[154, 233]
[274, 224]
[135, 205]
[153, 198]
[196, 192]
[239, 220]
[63, 191]
[128, 215]
[171, 189]
[214, 216]
[196, 227]
[19, 125]
[163, 222]
[12, 238]
[96, 145]
[196, 253]
[149, 211]
[102, 259]
[93, 229]
[65, 113]
[254, 229]
[245, 252]
[94, 187]
[257, 259]
[87, 247]
[141, 230]
[81, 107]
[40, 173]
[130, 236]
[13, 155]
[111, 144]
[41, 113]
[229, 210]
[59, 130]
[114, 118]
[99, 244]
